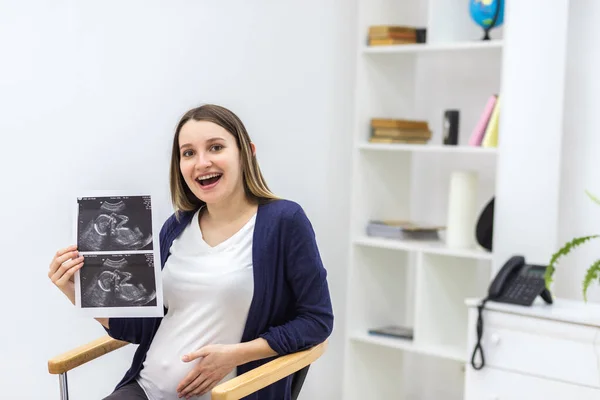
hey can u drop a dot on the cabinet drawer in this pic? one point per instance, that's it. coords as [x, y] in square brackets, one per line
[540, 347]
[492, 384]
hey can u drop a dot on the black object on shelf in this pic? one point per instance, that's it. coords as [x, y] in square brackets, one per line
[421, 35]
[450, 127]
[484, 231]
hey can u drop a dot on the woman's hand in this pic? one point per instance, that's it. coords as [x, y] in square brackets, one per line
[62, 269]
[217, 360]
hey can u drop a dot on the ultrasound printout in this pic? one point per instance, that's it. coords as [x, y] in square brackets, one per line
[120, 277]
[118, 281]
[113, 224]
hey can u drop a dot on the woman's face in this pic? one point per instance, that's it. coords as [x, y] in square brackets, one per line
[210, 161]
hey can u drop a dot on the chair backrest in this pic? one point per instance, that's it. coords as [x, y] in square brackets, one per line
[298, 380]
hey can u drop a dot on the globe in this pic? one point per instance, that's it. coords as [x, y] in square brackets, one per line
[488, 14]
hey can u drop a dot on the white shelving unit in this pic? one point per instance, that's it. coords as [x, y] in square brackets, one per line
[422, 285]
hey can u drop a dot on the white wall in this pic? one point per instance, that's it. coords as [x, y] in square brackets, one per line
[528, 179]
[549, 140]
[579, 216]
[90, 94]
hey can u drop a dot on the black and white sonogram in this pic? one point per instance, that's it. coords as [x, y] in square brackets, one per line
[114, 223]
[120, 280]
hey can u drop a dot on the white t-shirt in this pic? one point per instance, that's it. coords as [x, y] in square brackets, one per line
[208, 291]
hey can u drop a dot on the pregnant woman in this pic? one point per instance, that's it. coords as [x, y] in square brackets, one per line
[242, 275]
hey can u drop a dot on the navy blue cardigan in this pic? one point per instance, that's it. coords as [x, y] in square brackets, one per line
[291, 306]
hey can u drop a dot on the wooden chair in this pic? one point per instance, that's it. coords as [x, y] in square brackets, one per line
[236, 388]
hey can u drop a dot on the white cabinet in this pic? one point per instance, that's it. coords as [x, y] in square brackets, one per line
[495, 384]
[539, 352]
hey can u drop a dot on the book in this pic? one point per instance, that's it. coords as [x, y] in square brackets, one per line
[395, 140]
[479, 130]
[391, 123]
[393, 331]
[379, 35]
[400, 133]
[404, 230]
[390, 41]
[491, 133]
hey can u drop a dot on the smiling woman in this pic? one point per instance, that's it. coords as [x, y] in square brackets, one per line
[243, 279]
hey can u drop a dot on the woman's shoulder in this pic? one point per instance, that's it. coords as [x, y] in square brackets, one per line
[176, 219]
[286, 214]
[282, 208]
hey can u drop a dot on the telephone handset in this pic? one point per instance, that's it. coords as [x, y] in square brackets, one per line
[515, 283]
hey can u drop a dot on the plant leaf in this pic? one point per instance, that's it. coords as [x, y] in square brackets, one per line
[592, 274]
[563, 251]
[594, 198]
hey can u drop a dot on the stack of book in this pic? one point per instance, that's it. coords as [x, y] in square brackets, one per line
[386, 35]
[384, 130]
[485, 133]
[403, 230]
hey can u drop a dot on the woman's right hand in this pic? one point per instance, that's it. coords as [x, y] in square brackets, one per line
[62, 270]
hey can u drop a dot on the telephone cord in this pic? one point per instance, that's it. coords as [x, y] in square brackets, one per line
[478, 347]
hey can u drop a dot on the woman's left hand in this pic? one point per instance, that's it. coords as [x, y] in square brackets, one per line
[217, 360]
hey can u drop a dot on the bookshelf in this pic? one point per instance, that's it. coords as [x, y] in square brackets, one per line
[419, 284]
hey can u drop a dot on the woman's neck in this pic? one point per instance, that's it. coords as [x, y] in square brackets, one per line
[231, 210]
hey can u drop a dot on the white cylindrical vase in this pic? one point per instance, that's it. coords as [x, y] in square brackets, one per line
[462, 215]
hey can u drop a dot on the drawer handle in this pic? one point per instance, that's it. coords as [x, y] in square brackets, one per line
[495, 339]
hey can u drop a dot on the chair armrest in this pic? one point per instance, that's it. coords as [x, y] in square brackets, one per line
[82, 354]
[266, 374]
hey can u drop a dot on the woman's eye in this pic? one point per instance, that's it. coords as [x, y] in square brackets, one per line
[187, 153]
[216, 147]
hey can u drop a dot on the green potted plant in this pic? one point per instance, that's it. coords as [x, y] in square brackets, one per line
[593, 272]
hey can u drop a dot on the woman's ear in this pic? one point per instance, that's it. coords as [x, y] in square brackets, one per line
[253, 148]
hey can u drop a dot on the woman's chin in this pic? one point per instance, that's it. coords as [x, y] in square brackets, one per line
[209, 198]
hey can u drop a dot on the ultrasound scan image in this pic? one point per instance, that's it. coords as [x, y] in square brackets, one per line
[114, 223]
[123, 280]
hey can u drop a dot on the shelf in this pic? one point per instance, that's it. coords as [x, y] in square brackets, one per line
[423, 247]
[434, 47]
[416, 283]
[427, 148]
[408, 345]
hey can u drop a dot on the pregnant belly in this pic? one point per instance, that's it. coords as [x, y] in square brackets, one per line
[163, 368]
[161, 376]
[163, 371]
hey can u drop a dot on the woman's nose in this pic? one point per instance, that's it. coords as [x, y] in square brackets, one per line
[203, 161]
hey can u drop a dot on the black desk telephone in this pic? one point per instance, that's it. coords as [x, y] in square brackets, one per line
[519, 283]
[515, 283]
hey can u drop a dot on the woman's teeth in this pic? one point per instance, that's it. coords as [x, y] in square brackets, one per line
[208, 176]
[208, 179]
